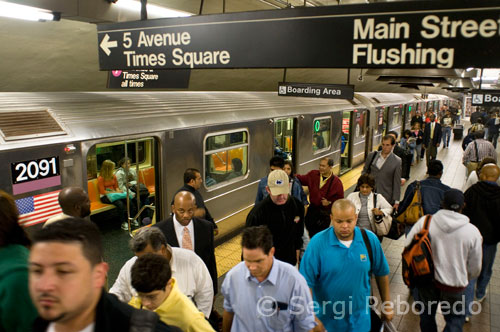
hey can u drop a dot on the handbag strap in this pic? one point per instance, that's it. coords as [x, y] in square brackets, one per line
[369, 169]
[368, 248]
[477, 153]
[418, 192]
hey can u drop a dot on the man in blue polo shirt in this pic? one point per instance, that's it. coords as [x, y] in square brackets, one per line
[263, 293]
[336, 266]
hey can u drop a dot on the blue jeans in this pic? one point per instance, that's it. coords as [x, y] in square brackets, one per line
[446, 136]
[489, 252]
[454, 314]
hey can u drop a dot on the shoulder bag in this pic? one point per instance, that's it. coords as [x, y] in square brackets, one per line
[414, 211]
[381, 224]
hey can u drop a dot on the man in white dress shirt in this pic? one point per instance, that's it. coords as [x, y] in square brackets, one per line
[191, 274]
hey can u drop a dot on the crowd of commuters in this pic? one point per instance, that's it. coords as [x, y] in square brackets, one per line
[307, 261]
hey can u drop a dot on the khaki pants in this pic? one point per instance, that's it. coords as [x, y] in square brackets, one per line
[430, 152]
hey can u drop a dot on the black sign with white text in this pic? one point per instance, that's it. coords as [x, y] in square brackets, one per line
[335, 91]
[31, 170]
[418, 34]
[485, 97]
[149, 79]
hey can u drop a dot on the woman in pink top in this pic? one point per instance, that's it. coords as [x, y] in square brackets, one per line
[107, 184]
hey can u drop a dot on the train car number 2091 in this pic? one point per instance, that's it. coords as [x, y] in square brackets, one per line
[31, 170]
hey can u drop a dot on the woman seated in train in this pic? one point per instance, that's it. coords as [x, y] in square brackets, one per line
[108, 186]
[236, 166]
[127, 175]
[373, 210]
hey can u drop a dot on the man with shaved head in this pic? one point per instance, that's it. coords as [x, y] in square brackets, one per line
[74, 202]
[482, 206]
[184, 230]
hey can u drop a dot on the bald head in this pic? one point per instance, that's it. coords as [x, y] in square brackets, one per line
[489, 172]
[184, 207]
[75, 202]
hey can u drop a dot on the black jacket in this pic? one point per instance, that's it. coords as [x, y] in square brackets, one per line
[482, 206]
[203, 242]
[111, 315]
[200, 203]
[286, 223]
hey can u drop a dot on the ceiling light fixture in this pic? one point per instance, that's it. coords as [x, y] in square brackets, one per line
[157, 10]
[22, 12]
[469, 69]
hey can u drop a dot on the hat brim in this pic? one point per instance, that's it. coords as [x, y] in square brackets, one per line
[275, 191]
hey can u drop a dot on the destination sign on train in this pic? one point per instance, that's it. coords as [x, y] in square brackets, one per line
[485, 97]
[419, 34]
[334, 91]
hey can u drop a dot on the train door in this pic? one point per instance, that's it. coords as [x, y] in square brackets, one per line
[396, 118]
[378, 128]
[285, 133]
[139, 180]
[346, 142]
[386, 123]
[408, 110]
[358, 136]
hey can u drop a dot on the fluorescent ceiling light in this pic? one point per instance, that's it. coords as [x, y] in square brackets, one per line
[469, 69]
[158, 11]
[486, 79]
[22, 12]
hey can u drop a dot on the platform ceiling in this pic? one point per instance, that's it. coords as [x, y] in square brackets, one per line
[62, 56]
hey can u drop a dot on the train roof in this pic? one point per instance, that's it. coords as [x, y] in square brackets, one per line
[30, 119]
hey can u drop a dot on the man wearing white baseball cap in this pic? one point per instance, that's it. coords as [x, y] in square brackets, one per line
[283, 214]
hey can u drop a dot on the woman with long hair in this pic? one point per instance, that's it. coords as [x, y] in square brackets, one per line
[108, 184]
[17, 312]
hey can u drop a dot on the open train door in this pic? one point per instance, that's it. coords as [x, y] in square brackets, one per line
[285, 136]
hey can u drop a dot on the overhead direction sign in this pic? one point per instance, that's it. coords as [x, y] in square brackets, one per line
[419, 34]
[485, 97]
[312, 90]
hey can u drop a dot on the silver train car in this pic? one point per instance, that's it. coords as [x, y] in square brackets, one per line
[52, 140]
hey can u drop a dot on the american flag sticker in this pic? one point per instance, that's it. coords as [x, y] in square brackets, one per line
[37, 209]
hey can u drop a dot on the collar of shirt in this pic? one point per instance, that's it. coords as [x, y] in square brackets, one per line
[492, 183]
[334, 241]
[272, 277]
[179, 230]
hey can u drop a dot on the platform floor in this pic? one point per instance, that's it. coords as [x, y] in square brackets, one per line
[228, 254]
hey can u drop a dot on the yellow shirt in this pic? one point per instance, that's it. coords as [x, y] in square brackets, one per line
[178, 310]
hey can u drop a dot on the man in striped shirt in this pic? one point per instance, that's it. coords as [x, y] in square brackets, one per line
[484, 149]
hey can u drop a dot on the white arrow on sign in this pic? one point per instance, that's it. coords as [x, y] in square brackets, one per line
[106, 44]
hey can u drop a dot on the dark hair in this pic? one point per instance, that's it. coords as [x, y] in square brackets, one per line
[148, 235]
[123, 161]
[190, 174]
[479, 134]
[277, 161]
[257, 237]
[392, 132]
[328, 160]
[150, 272]
[72, 230]
[366, 179]
[389, 138]
[407, 132]
[238, 165]
[435, 167]
[289, 163]
[10, 230]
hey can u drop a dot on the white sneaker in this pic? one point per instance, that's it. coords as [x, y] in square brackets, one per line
[135, 223]
[125, 226]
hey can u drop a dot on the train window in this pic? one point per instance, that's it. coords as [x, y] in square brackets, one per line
[396, 116]
[114, 152]
[226, 158]
[321, 134]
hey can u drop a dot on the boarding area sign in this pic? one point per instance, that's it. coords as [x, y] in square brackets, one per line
[485, 97]
[334, 91]
[419, 34]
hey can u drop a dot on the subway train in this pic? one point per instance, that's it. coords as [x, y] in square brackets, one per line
[52, 140]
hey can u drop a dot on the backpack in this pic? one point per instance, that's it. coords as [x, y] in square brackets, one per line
[418, 266]
[414, 211]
